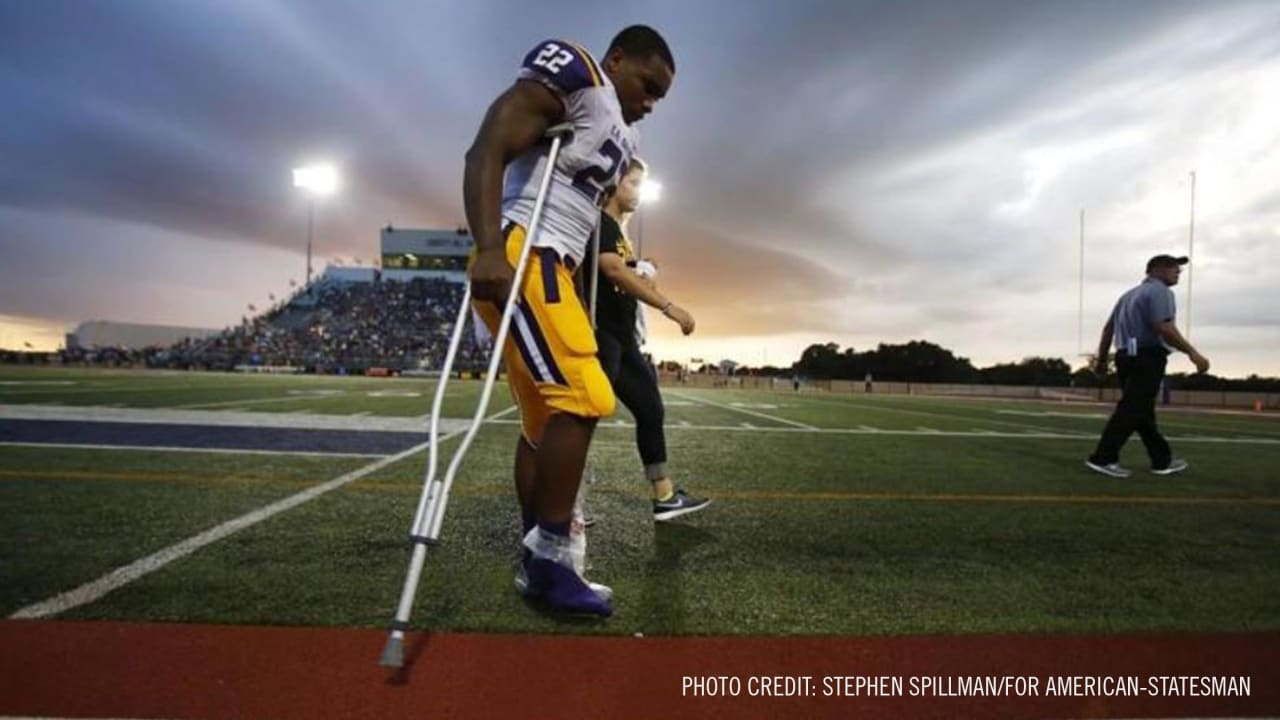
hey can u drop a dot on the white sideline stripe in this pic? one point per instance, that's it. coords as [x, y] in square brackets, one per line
[121, 388]
[1030, 435]
[167, 416]
[252, 401]
[162, 448]
[744, 411]
[122, 576]
[1054, 413]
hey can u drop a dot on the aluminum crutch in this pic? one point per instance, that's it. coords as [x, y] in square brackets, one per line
[435, 492]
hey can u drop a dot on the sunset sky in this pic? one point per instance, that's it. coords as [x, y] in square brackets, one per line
[852, 172]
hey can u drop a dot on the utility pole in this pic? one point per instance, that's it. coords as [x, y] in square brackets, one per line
[1191, 250]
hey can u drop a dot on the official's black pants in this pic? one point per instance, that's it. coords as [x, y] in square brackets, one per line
[1140, 377]
[636, 386]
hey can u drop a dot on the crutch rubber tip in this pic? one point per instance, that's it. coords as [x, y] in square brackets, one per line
[392, 653]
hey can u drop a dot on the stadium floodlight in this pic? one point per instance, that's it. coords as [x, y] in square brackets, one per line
[319, 180]
[650, 191]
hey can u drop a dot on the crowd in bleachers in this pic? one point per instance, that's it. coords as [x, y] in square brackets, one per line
[328, 328]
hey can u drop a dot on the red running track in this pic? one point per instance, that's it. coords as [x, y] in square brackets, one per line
[125, 670]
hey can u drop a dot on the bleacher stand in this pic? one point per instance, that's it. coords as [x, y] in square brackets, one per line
[331, 327]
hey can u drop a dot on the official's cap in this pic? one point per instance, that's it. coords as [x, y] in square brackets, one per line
[1162, 261]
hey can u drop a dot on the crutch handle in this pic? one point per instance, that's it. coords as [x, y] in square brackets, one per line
[564, 131]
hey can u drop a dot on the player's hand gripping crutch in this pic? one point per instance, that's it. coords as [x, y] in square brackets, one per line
[435, 492]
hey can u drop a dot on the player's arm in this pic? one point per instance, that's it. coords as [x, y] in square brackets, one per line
[615, 268]
[1160, 314]
[1170, 333]
[1104, 346]
[514, 123]
[1104, 342]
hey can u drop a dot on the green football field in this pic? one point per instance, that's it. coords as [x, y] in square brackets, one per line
[287, 500]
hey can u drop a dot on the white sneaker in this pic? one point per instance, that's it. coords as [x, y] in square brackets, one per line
[522, 585]
[1176, 465]
[1111, 469]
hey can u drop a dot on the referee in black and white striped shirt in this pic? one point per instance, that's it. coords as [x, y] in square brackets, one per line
[1144, 332]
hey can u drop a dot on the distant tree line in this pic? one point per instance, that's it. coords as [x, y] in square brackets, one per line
[925, 362]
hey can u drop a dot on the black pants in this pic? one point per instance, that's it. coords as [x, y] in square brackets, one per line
[1140, 377]
[637, 387]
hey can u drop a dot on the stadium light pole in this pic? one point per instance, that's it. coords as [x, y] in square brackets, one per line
[319, 180]
[1191, 251]
[650, 193]
[1080, 299]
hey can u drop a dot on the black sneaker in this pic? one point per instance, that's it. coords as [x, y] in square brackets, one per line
[680, 503]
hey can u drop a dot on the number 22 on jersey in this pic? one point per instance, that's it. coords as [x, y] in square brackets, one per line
[553, 58]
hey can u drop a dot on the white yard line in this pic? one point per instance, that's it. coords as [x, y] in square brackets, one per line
[257, 401]
[123, 388]
[122, 576]
[744, 411]
[1054, 413]
[224, 451]
[1028, 435]
[166, 416]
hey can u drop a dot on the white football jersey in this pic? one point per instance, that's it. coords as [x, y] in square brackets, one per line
[595, 158]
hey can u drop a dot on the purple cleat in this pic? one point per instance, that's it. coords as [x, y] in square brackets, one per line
[564, 590]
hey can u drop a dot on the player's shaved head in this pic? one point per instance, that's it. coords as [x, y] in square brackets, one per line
[641, 67]
[642, 42]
